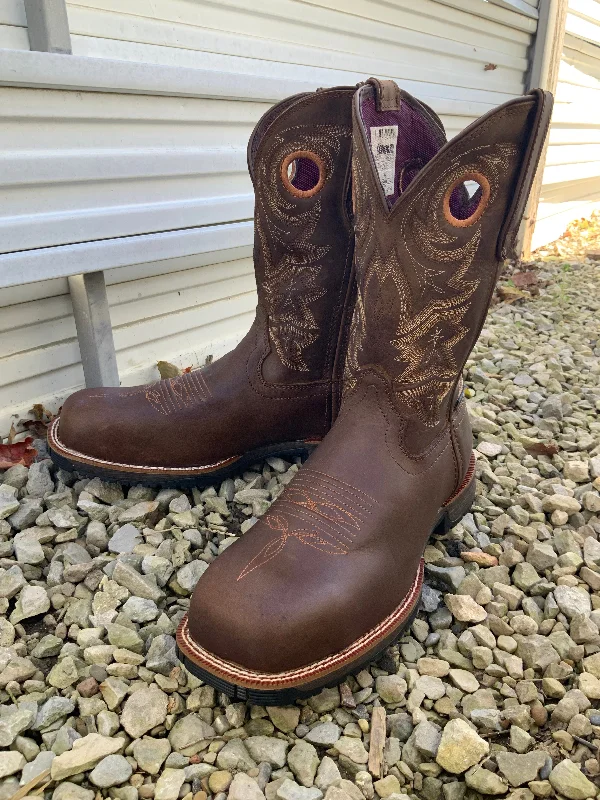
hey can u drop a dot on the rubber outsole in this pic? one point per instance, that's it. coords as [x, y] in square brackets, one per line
[452, 512]
[168, 477]
[282, 697]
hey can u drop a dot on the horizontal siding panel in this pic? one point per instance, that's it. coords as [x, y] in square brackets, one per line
[13, 25]
[418, 72]
[527, 7]
[583, 20]
[571, 182]
[13, 37]
[289, 21]
[119, 167]
[565, 173]
[35, 323]
[12, 12]
[573, 154]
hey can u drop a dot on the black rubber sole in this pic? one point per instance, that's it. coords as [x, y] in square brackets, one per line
[287, 450]
[283, 697]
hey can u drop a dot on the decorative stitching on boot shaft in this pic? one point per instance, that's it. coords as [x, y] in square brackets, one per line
[291, 280]
[431, 322]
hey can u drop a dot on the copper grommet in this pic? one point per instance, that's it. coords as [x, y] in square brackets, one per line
[285, 179]
[484, 184]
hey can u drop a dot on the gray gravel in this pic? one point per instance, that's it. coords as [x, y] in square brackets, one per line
[494, 691]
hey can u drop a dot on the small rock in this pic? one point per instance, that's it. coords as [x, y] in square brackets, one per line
[169, 783]
[572, 601]
[189, 575]
[264, 748]
[325, 734]
[150, 753]
[32, 601]
[352, 748]
[460, 747]
[144, 710]
[111, 771]
[291, 791]
[86, 753]
[125, 539]
[464, 608]
[391, 688]
[285, 718]
[10, 763]
[569, 780]
[244, 788]
[519, 769]
[388, 786]
[485, 782]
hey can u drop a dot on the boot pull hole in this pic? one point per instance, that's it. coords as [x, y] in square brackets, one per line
[466, 199]
[303, 173]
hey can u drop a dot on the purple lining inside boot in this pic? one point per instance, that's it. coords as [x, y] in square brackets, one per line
[306, 174]
[417, 143]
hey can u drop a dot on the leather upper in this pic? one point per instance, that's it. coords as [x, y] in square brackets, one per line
[339, 549]
[282, 382]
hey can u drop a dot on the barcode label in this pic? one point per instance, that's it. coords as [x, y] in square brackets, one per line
[383, 147]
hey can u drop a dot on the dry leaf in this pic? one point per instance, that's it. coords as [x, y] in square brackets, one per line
[510, 294]
[35, 426]
[40, 413]
[542, 448]
[17, 453]
[187, 369]
[167, 370]
[521, 279]
[38, 426]
[489, 67]
[12, 433]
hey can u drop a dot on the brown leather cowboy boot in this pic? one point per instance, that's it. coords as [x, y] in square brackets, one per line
[278, 391]
[332, 573]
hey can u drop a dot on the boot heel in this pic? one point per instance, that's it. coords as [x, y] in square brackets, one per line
[459, 504]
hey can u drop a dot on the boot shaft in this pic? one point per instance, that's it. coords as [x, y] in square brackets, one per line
[428, 248]
[299, 158]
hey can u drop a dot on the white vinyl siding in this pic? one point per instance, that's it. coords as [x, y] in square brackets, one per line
[13, 25]
[571, 187]
[142, 133]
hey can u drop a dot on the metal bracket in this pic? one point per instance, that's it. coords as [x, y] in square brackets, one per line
[94, 329]
[48, 26]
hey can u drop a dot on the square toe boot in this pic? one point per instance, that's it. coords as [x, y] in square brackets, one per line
[278, 391]
[332, 573]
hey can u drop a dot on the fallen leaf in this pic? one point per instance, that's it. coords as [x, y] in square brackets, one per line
[186, 369]
[542, 448]
[167, 370]
[35, 426]
[40, 413]
[12, 433]
[489, 67]
[17, 453]
[510, 294]
[521, 279]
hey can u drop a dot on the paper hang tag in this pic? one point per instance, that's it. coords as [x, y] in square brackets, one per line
[383, 147]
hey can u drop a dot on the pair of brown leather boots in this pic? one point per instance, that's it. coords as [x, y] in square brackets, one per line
[375, 265]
